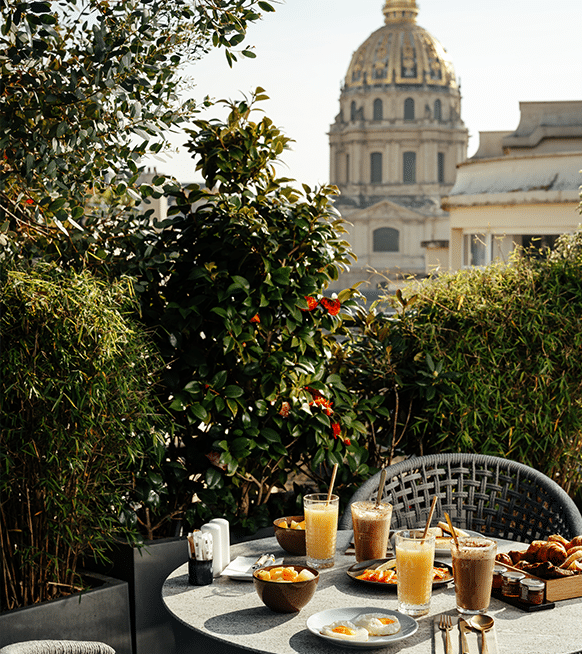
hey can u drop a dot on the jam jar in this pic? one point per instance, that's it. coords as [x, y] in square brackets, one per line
[498, 571]
[510, 585]
[532, 590]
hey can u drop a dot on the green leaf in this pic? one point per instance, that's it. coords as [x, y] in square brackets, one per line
[233, 391]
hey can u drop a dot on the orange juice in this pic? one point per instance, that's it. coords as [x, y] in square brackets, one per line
[320, 529]
[414, 564]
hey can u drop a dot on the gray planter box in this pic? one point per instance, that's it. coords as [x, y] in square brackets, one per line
[145, 569]
[100, 613]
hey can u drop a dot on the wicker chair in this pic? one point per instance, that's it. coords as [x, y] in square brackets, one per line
[489, 495]
[57, 647]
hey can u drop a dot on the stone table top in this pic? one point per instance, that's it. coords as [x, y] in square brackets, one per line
[231, 611]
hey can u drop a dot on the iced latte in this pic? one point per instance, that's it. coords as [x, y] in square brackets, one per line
[371, 529]
[473, 563]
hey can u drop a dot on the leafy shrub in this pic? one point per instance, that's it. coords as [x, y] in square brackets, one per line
[76, 399]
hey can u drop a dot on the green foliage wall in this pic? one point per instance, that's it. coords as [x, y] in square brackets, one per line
[78, 416]
[509, 339]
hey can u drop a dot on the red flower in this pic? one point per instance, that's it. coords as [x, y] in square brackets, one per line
[322, 402]
[347, 441]
[29, 201]
[311, 303]
[332, 306]
[256, 318]
[336, 428]
[284, 410]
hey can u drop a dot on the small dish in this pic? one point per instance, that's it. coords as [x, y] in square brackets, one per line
[286, 597]
[316, 622]
[443, 544]
[356, 570]
[291, 540]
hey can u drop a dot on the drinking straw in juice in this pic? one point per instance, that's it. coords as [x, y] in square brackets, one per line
[320, 529]
[414, 566]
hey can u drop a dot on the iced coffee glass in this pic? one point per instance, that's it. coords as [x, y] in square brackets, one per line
[321, 518]
[414, 567]
[473, 563]
[371, 529]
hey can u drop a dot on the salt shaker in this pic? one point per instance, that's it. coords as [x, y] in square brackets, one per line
[224, 539]
[216, 532]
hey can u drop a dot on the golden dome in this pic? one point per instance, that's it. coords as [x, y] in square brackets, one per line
[401, 52]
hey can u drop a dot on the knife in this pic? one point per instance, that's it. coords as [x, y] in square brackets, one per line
[264, 559]
[463, 628]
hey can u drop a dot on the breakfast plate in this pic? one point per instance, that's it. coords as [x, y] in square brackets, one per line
[356, 571]
[317, 622]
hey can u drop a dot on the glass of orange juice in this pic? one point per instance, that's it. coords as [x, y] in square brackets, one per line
[321, 516]
[414, 567]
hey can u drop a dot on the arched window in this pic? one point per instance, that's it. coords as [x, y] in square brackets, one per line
[386, 239]
[409, 167]
[409, 109]
[378, 109]
[438, 110]
[441, 167]
[347, 168]
[376, 167]
[353, 110]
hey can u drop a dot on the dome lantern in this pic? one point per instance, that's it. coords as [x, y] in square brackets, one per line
[396, 11]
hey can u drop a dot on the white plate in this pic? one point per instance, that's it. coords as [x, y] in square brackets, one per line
[445, 550]
[315, 624]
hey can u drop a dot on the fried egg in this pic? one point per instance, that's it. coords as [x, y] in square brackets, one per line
[344, 630]
[378, 624]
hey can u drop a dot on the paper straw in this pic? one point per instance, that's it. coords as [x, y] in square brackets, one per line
[331, 483]
[453, 532]
[381, 487]
[430, 514]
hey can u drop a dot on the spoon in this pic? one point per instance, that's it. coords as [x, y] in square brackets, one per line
[482, 623]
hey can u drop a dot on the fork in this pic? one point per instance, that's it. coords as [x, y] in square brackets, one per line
[446, 624]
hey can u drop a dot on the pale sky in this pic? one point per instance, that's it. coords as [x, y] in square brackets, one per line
[504, 52]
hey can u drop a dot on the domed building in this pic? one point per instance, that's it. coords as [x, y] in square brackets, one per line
[394, 148]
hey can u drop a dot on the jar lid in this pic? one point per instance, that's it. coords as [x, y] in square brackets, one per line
[499, 569]
[512, 575]
[532, 583]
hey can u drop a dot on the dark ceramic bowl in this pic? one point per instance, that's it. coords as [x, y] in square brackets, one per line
[291, 540]
[286, 597]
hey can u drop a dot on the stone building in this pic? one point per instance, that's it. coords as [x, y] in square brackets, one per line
[521, 188]
[394, 149]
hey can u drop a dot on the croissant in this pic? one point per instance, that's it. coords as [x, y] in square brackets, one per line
[572, 558]
[531, 554]
[556, 538]
[503, 557]
[552, 552]
[575, 542]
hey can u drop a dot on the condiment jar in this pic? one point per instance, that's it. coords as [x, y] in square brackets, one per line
[510, 583]
[532, 590]
[498, 571]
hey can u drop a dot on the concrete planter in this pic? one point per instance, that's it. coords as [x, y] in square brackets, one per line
[100, 613]
[145, 570]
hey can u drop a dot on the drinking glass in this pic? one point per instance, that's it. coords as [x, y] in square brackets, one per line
[371, 529]
[414, 567]
[321, 518]
[473, 564]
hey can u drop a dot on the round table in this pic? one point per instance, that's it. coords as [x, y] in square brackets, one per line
[231, 612]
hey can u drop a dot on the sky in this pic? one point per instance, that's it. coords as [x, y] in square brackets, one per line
[504, 52]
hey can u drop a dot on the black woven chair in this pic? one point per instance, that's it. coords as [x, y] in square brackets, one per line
[489, 495]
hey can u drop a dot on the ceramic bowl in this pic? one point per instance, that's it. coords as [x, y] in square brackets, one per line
[291, 540]
[286, 597]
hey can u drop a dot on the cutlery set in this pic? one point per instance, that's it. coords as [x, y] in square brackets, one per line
[480, 623]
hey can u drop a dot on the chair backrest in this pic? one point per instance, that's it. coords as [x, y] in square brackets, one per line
[489, 495]
[57, 647]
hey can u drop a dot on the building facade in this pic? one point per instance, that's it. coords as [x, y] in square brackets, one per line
[521, 188]
[394, 149]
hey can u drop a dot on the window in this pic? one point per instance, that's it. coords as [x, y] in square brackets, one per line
[378, 109]
[409, 109]
[347, 168]
[441, 167]
[438, 110]
[376, 168]
[409, 167]
[476, 249]
[386, 239]
[353, 110]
